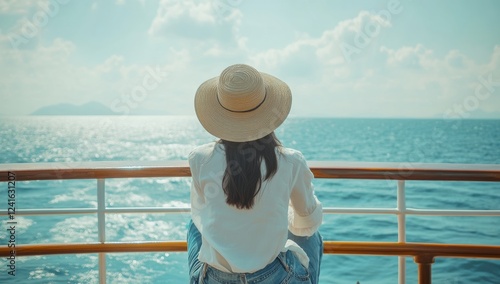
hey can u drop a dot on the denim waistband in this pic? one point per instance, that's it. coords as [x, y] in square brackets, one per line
[256, 276]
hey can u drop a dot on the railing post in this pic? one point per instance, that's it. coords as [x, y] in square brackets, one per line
[101, 227]
[401, 207]
[424, 263]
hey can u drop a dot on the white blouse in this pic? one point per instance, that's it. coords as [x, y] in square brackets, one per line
[246, 240]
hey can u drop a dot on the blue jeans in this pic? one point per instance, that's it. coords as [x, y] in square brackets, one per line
[286, 268]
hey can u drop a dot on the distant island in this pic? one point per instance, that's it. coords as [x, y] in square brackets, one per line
[90, 108]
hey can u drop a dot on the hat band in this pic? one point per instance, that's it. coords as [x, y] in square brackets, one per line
[241, 111]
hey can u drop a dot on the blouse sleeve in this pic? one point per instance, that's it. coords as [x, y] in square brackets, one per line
[305, 212]
[197, 199]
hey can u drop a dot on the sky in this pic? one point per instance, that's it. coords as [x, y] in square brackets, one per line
[381, 59]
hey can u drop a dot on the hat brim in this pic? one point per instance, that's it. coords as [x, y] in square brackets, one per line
[243, 126]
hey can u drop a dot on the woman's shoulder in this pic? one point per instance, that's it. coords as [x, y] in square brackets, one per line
[292, 155]
[201, 152]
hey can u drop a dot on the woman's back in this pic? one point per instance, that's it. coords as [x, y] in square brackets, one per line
[258, 234]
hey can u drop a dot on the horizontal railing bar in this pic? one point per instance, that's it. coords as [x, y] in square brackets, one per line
[95, 170]
[108, 247]
[55, 211]
[112, 210]
[337, 210]
[443, 212]
[411, 211]
[124, 210]
[412, 249]
[330, 247]
[405, 171]
[326, 210]
[321, 169]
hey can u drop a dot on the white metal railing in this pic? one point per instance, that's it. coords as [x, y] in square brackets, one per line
[401, 208]
[101, 226]
[401, 211]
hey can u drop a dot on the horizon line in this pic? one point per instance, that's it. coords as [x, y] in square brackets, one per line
[290, 116]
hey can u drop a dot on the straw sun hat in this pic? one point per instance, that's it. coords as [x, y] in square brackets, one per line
[242, 104]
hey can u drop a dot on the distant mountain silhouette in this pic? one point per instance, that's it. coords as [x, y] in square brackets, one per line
[90, 108]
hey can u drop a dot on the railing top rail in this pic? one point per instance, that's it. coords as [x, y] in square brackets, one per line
[321, 169]
[330, 247]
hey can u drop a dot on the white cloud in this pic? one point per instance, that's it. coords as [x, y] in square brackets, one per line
[374, 78]
[47, 75]
[445, 82]
[409, 57]
[198, 21]
[410, 81]
[44, 75]
[350, 37]
[457, 60]
[332, 47]
[20, 7]
[31, 19]
[494, 64]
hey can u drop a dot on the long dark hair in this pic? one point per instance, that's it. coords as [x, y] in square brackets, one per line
[242, 178]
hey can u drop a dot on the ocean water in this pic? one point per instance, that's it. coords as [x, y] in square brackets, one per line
[75, 139]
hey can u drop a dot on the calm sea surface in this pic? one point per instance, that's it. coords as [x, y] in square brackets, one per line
[75, 139]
